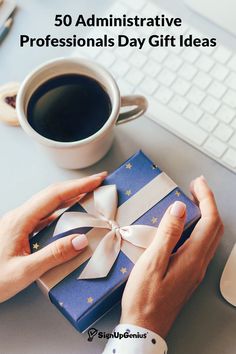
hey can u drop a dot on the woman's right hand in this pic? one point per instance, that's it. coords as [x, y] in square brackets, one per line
[161, 282]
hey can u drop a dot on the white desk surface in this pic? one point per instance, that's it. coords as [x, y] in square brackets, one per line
[29, 324]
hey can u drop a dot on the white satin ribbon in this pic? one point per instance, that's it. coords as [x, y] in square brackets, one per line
[126, 214]
[105, 209]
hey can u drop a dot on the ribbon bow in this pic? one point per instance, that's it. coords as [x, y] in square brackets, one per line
[104, 205]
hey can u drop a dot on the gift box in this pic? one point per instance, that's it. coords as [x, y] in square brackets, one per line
[120, 219]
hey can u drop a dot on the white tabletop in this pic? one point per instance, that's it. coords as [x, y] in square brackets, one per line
[29, 324]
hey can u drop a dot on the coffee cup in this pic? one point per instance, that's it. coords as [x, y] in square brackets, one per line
[89, 150]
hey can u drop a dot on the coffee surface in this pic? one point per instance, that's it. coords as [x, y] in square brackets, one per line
[69, 108]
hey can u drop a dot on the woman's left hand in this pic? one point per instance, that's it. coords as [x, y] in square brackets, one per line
[18, 267]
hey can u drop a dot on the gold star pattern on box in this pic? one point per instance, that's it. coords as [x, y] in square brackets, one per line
[128, 192]
[128, 166]
[123, 270]
[90, 300]
[154, 220]
[177, 193]
[35, 246]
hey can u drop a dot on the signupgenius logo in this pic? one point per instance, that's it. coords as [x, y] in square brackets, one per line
[93, 332]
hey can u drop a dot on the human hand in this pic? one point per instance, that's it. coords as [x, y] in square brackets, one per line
[19, 268]
[161, 282]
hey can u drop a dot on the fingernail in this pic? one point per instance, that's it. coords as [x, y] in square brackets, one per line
[203, 179]
[101, 174]
[178, 209]
[80, 242]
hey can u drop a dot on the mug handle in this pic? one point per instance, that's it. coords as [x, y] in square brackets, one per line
[140, 105]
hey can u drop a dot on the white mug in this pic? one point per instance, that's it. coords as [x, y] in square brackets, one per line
[82, 153]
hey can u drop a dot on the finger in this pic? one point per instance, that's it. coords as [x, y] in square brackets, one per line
[47, 221]
[47, 201]
[56, 253]
[52, 217]
[208, 226]
[168, 234]
[204, 197]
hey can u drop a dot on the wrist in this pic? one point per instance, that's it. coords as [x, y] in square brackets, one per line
[159, 327]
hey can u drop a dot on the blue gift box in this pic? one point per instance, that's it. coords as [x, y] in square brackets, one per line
[83, 302]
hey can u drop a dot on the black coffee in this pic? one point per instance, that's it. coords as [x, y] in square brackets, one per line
[69, 108]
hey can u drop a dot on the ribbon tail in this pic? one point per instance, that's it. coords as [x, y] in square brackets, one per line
[103, 258]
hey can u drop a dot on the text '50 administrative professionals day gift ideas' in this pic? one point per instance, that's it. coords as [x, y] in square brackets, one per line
[121, 216]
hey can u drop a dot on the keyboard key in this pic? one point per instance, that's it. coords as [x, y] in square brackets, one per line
[120, 68]
[176, 50]
[134, 76]
[195, 33]
[163, 94]
[215, 146]
[202, 80]
[148, 85]
[232, 63]
[146, 48]
[152, 68]
[124, 52]
[223, 132]
[178, 104]
[195, 95]
[136, 5]
[204, 63]
[118, 9]
[232, 141]
[219, 72]
[150, 9]
[181, 86]
[147, 31]
[173, 62]
[190, 55]
[159, 54]
[208, 122]
[222, 54]
[106, 58]
[187, 71]
[210, 104]
[230, 157]
[193, 113]
[230, 98]
[125, 87]
[233, 123]
[166, 77]
[207, 50]
[138, 59]
[225, 114]
[176, 123]
[216, 89]
[89, 52]
[231, 81]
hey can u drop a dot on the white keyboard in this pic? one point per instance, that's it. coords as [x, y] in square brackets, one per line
[191, 91]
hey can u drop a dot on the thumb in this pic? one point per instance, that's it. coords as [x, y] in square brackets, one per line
[56, 253]
[168, 234]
